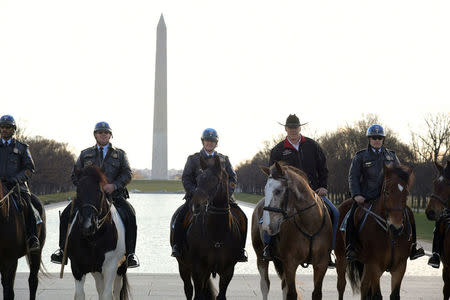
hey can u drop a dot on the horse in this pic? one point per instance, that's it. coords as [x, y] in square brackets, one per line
[299, 221]
[213, 237]
[13, 241]
[438, 210]
[384, 237]
[96, 241]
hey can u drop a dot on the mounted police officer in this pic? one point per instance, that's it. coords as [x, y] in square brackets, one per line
[366, 180]
[16, 168]
[114, 163]
[304, 154]
[191, 171]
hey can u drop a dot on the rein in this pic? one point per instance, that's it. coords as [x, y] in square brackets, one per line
[5, 200]
[101, 221]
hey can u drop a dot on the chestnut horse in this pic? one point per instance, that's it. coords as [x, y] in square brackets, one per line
[300, 224]
[213, 238]
[438, 210]
[96, 242]
[384, 239]
[13, 244]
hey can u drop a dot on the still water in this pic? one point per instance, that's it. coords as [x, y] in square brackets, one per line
[154, 212]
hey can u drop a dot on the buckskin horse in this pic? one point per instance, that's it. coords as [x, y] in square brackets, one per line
[384, 238]
[13, 244]
[438, 210]
[300, 222]
[213, 237]
[96, 242]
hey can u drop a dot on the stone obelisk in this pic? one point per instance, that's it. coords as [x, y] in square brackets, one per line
[159, 155]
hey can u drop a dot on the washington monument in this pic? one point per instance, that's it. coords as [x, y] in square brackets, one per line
[159, 155]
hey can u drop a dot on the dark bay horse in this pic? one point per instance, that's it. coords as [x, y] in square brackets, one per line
[300, 222]
[13, 244]
[438, 210]
[213, 238]
[96, 242]
[384, 239]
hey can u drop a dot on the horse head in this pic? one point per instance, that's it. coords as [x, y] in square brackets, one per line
[397, 180]
[440, 197]
[212, 186]
[90, 200]
[284, 184]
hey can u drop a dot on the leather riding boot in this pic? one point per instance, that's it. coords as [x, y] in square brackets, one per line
[178, 231]
[57, 257]
[242, 256]
[266, 253]
[132, 261]
[32, 241]
[434, 260]
[350, 253]
[416, 252]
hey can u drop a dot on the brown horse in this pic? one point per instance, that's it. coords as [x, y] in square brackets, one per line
[384, 239]
[438, 210]
[300, 224]
[13, 244]
[213, 237]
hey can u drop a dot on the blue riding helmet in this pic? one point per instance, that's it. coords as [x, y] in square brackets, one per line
[8, 120]
[375, 130]
[210, 134]
[102, 126]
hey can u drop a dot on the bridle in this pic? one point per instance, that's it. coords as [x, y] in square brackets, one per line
[439, 198]
[210, 208]
[98, 213]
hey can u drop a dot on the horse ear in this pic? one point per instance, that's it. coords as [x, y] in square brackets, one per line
[440, 168]
[203, 164]
[266, 170]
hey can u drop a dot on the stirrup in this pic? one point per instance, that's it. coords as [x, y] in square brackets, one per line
[434, 261]
[132, 261]
[57, 257]
[416, 253]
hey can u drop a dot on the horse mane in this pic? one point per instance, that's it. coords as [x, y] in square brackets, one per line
[403, 172]
[94, 172]
[296, 175]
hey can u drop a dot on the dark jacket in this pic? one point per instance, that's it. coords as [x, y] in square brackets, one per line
[309, 158]
[16, 164]
[115, 167]
[192, 169]
[365, 176]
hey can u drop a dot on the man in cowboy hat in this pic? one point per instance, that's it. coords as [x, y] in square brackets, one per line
[305, 154]
[16, 168]
[114, 163]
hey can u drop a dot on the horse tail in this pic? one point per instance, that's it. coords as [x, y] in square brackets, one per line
[354, 271]
[278, 267]
[211, 292]
[125, 291]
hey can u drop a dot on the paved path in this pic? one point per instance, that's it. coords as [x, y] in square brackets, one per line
[242, 287]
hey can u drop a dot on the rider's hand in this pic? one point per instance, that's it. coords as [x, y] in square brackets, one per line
[359, 199]
[109, 188]
[321, 191]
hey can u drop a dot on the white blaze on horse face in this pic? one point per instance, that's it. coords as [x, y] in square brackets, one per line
[272, 220]
[400, 187]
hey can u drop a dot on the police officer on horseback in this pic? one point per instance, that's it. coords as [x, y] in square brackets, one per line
[366, 180]
[16, 168]
[114, 163]
[304, 154]
[191, 171]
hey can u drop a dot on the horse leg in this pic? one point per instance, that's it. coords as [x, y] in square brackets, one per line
[109, 272]
[341, 265]
[319, 274]
[8, 273]
[185, 274]
[200, 284]
[79, 288]
[99, 284]
[35, 263]
[289, 289]
[225, 279]
[264, 283]
[396, 281]
[446, 277]
[370, 282]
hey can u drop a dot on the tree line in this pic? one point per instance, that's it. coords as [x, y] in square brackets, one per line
[341, 145]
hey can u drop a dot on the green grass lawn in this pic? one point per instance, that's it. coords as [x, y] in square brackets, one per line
[147, 186]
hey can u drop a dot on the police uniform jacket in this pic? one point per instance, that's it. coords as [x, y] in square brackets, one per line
[366, 172]
[16, 164]
[115, 166]
[309, 158]
[192, 169]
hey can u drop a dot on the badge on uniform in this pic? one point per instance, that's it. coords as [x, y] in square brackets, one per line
[88, 163]
[388, 157]
[114, 155]
[368, 164]
[16, 151]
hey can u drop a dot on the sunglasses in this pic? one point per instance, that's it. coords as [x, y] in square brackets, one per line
[377, 137]
[102, 132]
[6, 126]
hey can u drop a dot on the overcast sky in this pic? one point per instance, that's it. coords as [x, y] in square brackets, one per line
[236, 66]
